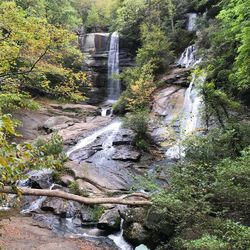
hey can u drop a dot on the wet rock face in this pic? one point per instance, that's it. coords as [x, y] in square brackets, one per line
[169, 102]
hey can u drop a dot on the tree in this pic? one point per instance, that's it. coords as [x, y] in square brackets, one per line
[33, 55]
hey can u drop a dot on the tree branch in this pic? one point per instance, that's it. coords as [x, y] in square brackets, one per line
[141, 201]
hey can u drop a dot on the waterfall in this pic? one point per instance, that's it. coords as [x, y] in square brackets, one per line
[191, 107]
[190, 119]
[119, 240]
[192, 22]
[114, 85]
[188, 57]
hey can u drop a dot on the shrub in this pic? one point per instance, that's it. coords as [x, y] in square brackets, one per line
[138, 122]
[54, 146]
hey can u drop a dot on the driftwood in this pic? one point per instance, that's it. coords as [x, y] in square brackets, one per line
[142, 199]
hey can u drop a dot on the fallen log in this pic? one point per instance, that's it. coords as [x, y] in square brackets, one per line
[143, 200]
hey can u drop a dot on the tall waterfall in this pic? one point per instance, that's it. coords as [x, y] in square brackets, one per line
[192, 22]
[114, 85]
[190, 119]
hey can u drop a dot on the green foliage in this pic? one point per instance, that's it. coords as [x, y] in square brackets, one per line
[18, 158]
[34, 55]
[138, 123]
[140, 86]
[129, 17]
[145, 183]
[219, 144]
[75, 189]
[52, 147]
[13, 101]
[208, 194]
[97, 212]
[230, 48]
[155, 47]
[207, 242]
[57, 12]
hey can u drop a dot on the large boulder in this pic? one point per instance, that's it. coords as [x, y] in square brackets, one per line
[87, 215]
[136, 234]
[60, 207]
[160, 222]
[40, 179]
[110, 221]
[57, 123]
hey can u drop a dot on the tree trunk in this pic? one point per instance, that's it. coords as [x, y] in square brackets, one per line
[142, 200]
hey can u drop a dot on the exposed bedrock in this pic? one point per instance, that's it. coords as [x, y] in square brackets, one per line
[95, 47]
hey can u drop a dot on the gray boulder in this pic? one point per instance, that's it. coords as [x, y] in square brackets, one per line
[110, 221]
[126, 153]
[60, 207]
[136, 234]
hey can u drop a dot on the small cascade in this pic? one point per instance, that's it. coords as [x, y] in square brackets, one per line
[188, 57]
[114, 85]
[36, 205]
[119, 240]
[192, 22]
[90, 139]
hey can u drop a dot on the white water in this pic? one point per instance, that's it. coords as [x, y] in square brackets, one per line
[190, 120]
[35, 205]
[114, 85]
[191, 107]
[119, 240]
[107, 111]
[188, 57]
[115, 126]
[192, 22]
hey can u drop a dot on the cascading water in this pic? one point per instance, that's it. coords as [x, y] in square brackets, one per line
[190, 119]
[113, 127]
[114, 85]
[192, 22]
[188, 57]
[119, 240]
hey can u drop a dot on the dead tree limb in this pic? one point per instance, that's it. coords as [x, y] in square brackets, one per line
[141, 198]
